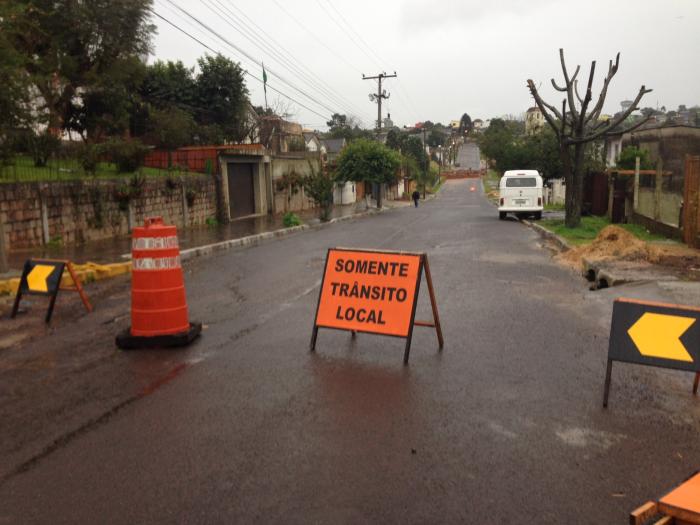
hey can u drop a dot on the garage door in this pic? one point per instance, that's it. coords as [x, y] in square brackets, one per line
[240, 189]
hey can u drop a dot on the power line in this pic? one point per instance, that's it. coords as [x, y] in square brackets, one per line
[410, 108]
[290, 63]
[251, 58]
[244, 70]
[308, 73]
[353, 30]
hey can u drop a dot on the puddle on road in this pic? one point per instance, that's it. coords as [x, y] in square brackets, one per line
[585, 437]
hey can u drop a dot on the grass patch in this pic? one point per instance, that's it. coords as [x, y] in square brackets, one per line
[492, 179]
[24, 170]
[554, 207]
[436, 187]
[590, 227]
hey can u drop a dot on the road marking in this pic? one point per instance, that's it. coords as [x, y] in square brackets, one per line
[658, 335]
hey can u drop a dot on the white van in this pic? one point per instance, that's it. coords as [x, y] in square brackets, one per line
[520, 192]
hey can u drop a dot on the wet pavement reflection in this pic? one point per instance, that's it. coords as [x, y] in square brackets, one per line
[111, 250]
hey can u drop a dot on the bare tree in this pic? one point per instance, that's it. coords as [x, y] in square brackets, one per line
[580, 125]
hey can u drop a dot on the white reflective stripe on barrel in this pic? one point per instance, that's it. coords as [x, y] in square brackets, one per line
[160, 263]
[154, 243]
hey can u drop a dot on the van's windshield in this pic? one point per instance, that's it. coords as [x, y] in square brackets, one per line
[521, 182]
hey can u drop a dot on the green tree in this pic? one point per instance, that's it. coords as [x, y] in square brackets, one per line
[107, 107]
[70, 47]
[169, 84]
[627, 159]
[395, 139]
[337, 121]
[368, 161]
[318, 185]
[435, 139]
[222, 97]
[170, 129]
[465, 124]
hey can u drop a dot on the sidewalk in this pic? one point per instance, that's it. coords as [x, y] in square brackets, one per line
[111, 250]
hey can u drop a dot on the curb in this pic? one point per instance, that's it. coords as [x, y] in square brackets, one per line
[90, 272]
[252, 240]
[545, 233]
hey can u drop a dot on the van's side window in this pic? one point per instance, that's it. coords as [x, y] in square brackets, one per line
[521, 182]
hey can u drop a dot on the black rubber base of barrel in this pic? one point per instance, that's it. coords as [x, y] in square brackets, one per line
[126, 341]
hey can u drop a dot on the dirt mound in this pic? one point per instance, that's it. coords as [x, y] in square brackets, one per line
[612, 242]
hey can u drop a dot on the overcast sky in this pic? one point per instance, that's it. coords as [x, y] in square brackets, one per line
[451, 56]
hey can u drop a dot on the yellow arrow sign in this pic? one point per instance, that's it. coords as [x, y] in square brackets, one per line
[658, 335]
[36, 279]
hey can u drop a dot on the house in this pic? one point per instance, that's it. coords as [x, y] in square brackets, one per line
[534, 120]
[333, 148]
[343, 192]
[454, 125]
[313, 143]
[281, 136]
[478, 124]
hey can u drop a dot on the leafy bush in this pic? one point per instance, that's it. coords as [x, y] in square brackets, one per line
[128, 191]
[367, 160]
[627, 159]
[128, 155]
[89, 157]
[43, 146]
[291, 219]
[319, 187]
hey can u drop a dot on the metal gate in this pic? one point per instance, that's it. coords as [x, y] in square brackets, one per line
[691, 206]
[241, 190]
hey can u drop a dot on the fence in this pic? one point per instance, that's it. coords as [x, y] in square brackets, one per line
[59, 168]
[691, 196]
[201, 159]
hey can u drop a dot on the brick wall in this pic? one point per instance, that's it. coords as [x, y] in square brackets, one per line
[79, 211]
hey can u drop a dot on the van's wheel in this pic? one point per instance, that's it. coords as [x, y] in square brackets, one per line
[538, 216]
[502, 215]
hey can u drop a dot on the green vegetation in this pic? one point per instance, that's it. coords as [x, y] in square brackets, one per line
[319, 187]
[628, 159]
[368, 161]
[24, 170]
[554, 207]
[291, 219]
[590, 227]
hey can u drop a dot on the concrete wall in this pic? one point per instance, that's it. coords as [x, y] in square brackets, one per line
[284, 199]
[78, 211]
[344, 193]
[669, 206]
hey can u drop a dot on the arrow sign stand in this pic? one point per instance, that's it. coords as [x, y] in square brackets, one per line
[43, 277]
[654, 334]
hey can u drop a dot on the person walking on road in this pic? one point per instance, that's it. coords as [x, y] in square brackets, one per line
[416, 197]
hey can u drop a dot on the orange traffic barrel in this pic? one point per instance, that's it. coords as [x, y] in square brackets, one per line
[159, 315]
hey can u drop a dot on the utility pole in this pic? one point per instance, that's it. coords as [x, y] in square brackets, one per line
[381, 94]
[426, 162]
[3, 252]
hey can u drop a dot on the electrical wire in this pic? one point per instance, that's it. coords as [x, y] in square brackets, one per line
[245, 71]
[282, 56]
[251, 58]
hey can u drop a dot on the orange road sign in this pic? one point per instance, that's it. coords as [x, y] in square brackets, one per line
[683, 502]
[374, 292]
[654, 334]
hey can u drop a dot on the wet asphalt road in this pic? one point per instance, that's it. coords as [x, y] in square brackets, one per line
[468, 156]
[504, 426]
